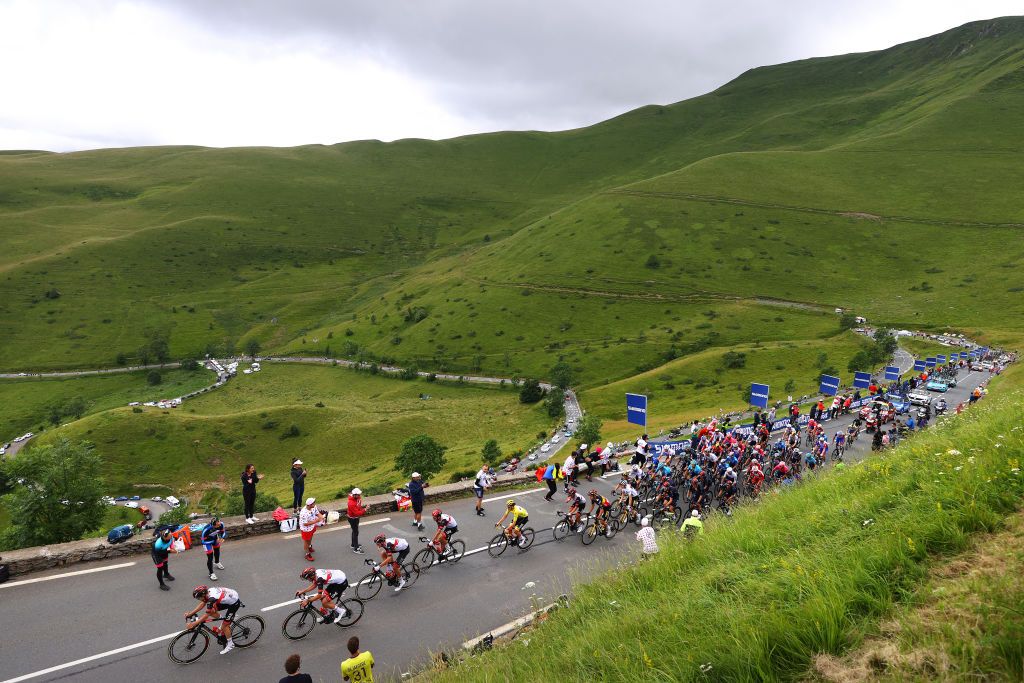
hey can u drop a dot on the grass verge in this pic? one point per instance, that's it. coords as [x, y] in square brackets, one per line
[809, 571]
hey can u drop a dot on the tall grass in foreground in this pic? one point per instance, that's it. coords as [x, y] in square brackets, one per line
[809, 570]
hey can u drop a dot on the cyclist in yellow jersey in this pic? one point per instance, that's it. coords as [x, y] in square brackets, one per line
[358, 668]
[519, 520]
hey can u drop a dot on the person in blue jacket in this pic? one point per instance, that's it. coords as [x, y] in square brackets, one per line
[416, 487]
[160, 551]
[211, 537]
[549, 479]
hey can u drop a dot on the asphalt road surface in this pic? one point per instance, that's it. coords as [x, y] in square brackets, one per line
[107, 621]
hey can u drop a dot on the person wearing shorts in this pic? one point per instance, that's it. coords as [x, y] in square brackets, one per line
[309, 519]
[480, 484]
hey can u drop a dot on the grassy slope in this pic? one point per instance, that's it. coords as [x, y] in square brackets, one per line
[25, 402]
[799, 575]
[350, 441]
[282, 243]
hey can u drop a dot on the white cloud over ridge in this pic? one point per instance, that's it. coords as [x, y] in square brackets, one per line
[96, 73]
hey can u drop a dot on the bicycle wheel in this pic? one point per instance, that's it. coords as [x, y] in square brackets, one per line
[369, 586]
[410, 573]
[424, 558]
[662, 519]
[188, 646]
[247, 630]
[641, 512]
[299, 624]
[455, 551]
[677, 516]
[589, 534]
[612, 528]
[355, 612]
[528, 536]
[497, 545]
[560, 530]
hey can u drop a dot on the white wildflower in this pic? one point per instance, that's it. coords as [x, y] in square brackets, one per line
[953, 451]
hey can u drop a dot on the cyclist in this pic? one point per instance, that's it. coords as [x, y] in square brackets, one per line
[839, 443]
[599, 507]
[446, 528]
[668, 496]
[211, 537]
[755, 477]
[577, 504]
[389, 548]
[214, 600]
[330, 584]
[519, 519]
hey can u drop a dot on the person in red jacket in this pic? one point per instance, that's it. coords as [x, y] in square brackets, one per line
[356, 509]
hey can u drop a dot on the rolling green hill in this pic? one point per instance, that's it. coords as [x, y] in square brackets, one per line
[821, 181]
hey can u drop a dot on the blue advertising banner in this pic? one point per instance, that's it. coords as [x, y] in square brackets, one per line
[919, 365]
[892, 373]
[829, 385]
[930, 362]
[941, 359]
[963, 355]
[759, 395]
[862, 380]
[636, 409]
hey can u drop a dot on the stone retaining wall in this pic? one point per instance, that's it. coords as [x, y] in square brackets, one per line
[39, 558]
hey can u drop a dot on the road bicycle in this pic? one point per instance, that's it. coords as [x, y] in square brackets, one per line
[369, 586]
[628, 513]
[302, 621]
[599, 527]
[504, 539]
[191, 644]
[662, 517]
[563, 528]
[429, 556]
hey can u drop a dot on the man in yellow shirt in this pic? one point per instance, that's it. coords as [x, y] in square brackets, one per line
[359, 667]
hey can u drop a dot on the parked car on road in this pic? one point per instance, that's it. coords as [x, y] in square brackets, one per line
[121, 499]
[172, 501]
[919, 398]
[119, 534]
[131, 504]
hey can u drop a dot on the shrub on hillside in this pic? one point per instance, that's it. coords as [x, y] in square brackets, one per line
[235, 505]
[154, 378]
[178, 515]
[531, 392]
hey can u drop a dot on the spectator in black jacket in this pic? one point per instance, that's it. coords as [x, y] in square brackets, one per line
[298, 473]
[249, 481]
[416, 498]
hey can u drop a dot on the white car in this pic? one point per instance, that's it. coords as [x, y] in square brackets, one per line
[132, 504]
[919, 398]
[555, 438]
[172, 501]
[3, 451]
[533, 456]
[156, 499]
[545, 448]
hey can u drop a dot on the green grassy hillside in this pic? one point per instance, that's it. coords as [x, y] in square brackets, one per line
[210, 248]
[810, 574]
[349, 439]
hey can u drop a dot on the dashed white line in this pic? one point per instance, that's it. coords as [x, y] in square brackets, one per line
[343, 528]
[23, 582]
[517, 493]
[92, 658]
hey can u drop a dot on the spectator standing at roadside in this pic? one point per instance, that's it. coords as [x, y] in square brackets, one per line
[309, 519]
[249, 480]
[356, 509]
[549, 479]
[646, 537]
[298, 473]
[480, 484]
[416, 487]
[358, 668]
[569, 470]
[291, 667]
[161, 551]
[211, 537]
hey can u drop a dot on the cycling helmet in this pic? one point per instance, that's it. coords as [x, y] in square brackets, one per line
[594, 493]
[379, 539]
[199, 592]
[436, 514]
[571, 490]
[510, 504]
[308, 573]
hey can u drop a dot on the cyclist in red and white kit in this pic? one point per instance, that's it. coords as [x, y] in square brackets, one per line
[330, 585]
[215, 599]
[393, 551]
[446, 528]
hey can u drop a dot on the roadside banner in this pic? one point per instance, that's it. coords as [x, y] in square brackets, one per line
[759, 395]
[829, 385]
[963, 355]
[862, 380]
[930, 362]
[892, 373]
[919, 365]
[636, 409]
[941, 359]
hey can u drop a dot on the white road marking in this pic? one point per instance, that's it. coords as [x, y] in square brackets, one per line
[84, 660]
[12, 584]
[343, 528]
[517, 493]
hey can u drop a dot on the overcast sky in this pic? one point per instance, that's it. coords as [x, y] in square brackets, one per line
[81, 74]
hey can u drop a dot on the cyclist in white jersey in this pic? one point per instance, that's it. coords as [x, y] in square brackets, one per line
[215, 599]
[330, 584]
